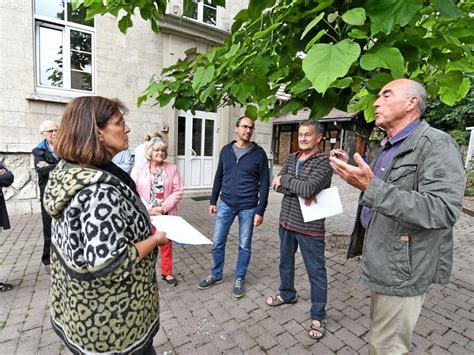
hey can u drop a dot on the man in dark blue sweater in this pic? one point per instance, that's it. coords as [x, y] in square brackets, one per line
[242, 180]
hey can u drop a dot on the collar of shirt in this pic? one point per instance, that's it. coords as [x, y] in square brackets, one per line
[401, 135]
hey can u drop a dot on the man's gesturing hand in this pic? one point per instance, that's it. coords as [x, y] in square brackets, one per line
[358, 176]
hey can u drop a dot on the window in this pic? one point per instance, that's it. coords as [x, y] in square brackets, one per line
[201, 10]
[64, 46]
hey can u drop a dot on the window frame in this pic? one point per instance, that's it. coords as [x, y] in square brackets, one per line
[65, 27]
[200, 13]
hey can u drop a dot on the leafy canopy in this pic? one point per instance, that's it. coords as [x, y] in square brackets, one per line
[327, 53]
[454, 119]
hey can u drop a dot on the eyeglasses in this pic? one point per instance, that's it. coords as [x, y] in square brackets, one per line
[159, 150]
[50, 131]
[305, 135]
[251, 128]
[121, 123]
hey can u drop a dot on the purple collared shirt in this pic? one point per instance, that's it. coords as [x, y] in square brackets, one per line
[389, 150]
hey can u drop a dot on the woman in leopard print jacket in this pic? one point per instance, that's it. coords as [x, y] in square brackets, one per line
[104, 293]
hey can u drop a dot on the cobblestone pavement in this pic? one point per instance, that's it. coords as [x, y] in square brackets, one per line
[212, 321]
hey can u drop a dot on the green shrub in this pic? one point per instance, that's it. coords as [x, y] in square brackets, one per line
[470, 183]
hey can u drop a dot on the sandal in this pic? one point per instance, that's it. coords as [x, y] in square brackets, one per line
[321, 329]
[277, 300]
[5, 287]
[172, 282]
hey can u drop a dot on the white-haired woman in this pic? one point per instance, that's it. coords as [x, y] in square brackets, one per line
[140, 149]
[160, 187]
[45, 160]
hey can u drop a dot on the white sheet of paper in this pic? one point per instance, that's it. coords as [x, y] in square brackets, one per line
[329, 204]
[178, 230]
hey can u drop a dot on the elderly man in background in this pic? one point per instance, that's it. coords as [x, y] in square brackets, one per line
[411, 198]
[45, 160]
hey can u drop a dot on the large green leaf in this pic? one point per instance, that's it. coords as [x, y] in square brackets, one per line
[239, 19]
[291, 106]
[342, 83]
[447, 9]
[300, 86]
[388, 58]
[251, 111]
[385, 15]
[210, 89]
[125, 23]
[328, 62]
[202, 76]
[323, 104]
[164, 99]
[378, 81]
[256, 7]
[232, 51]
[453, 87]
[315, 39]
[464, 64]
[366, 104]
[312, 24]
[241, 91]
[355, 16]
[357, 34]
[266, 31]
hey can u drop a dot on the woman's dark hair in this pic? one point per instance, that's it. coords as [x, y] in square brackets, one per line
[77, 139]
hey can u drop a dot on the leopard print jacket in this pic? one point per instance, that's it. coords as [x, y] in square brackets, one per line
[103, 298]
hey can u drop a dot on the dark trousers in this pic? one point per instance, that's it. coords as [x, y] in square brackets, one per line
[46, 257]
[312, 250]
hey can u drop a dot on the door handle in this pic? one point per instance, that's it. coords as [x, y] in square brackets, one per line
[193, 154]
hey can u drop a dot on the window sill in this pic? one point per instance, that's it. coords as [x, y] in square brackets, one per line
[64, 97]
[192, 29]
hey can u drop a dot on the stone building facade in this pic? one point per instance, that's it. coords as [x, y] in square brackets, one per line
[116, 65]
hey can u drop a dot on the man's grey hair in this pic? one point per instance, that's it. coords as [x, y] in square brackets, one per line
[417, 90]
[310, 123]
[46, 125]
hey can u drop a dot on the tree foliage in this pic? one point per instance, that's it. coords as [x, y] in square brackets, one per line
[454, 119]
[326, 53]
[150, 10]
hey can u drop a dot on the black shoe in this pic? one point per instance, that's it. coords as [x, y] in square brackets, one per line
[5, 287]
[208, 282]
[239, 288]
[172, 282]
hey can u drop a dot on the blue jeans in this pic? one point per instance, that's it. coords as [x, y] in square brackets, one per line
[312, 250]
[225, 218]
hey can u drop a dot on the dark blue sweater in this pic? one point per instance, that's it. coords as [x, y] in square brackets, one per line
[243, 183]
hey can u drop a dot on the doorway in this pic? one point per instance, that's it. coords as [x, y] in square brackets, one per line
[195, 148]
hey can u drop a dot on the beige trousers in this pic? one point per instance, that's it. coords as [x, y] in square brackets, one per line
[392, 320]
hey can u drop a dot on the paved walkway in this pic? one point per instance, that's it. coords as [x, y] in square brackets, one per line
[212, 321]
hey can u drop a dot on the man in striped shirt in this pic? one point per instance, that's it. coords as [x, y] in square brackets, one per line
[304, 174]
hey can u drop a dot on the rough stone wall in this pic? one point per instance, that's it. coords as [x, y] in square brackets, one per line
[22, 196]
